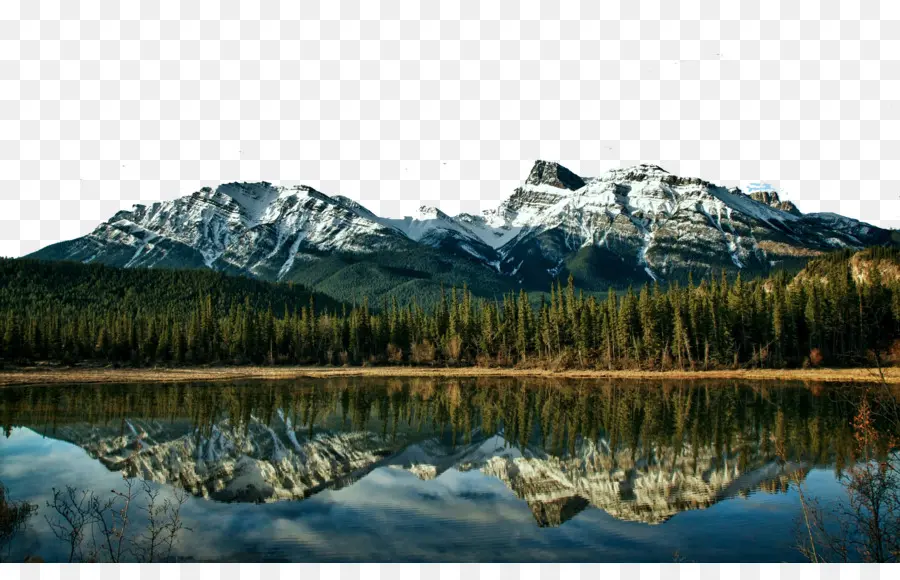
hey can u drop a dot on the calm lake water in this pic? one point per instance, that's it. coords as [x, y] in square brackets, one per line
[440, 470]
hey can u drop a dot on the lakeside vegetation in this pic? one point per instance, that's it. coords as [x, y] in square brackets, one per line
[840, 311]
[49, 375]
[657, 420]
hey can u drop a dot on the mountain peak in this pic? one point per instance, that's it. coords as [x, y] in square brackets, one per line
[429, 212]
[355, 206]
[244, 190]
[645, 168]
[770, 198]
[766, 196]
[639, 172]
[254, 198]
[553, 174]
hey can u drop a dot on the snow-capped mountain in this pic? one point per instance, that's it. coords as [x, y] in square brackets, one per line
[255, 228]
[626, 226]
[432, 227]
[642, 222]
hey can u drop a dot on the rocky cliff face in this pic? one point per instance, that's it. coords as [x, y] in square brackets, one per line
[641, 223]
[771, 199]
[254, 228]
[629, 225]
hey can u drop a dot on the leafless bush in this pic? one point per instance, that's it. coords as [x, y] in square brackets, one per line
[894, 353]
[423, 352]
[164, 523]
[97, 529]
[865, 526]
[13, 517]
[484, 361]
[394, 353]
[815, 357]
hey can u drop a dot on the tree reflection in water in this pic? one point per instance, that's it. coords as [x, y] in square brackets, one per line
[641, 451]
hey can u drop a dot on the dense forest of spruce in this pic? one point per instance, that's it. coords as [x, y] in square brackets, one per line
[826, 315]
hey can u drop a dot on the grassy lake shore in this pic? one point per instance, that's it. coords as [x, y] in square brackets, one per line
[45, 375]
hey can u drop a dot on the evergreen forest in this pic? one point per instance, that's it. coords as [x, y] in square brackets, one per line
[843, 309]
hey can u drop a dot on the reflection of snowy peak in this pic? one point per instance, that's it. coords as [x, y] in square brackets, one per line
[558, 488]
[256, 462]
[628, 225]
[278, 461]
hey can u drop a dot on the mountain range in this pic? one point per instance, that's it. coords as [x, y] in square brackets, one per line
[627, 226]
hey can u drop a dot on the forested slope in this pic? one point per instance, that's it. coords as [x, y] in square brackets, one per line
[841, 310]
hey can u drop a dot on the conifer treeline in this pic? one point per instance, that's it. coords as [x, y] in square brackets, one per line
[828, 316]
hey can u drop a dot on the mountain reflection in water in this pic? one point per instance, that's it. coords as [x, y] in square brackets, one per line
[639, 451]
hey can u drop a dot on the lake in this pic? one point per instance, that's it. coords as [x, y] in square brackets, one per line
[425, 470]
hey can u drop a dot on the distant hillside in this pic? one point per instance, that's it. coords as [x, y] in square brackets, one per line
[866, 266]
[71, 286]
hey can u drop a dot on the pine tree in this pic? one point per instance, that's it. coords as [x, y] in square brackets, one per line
[522, 328]
[11, 336]
[649, 327]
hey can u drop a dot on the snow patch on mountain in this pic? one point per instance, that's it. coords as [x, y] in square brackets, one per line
[427, 221]
[646, 218]
[253, 198]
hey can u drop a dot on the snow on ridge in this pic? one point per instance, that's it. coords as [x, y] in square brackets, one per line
[547, 188]
[431, 213]
[501, 226]
[233, 221]
[254, 198]
[751, 207]
[639, 169]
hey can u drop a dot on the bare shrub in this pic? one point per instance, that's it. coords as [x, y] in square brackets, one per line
[484, 361]
[13, 517]
[82, 514]
[815, 357]
[423, 352]
[164, 523]
[865, 526]
[894, 353]
[394, 354]
[563, 361]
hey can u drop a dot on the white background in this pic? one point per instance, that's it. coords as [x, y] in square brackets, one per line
[106, 103]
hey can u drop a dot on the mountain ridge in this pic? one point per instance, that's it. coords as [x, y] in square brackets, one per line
[627, 226]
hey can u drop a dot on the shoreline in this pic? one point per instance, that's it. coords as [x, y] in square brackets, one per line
[32, 376]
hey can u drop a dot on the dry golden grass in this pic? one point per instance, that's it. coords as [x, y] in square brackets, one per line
[41, 376]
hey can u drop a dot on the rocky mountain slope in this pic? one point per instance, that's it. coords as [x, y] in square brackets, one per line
[274, 461]
[627, 226]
